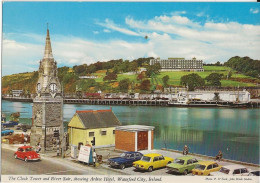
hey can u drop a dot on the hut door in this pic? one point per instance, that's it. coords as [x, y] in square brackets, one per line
[142, 140]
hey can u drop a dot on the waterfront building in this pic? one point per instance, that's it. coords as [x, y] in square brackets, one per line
[134, 137]
[88, 77]
[17, 93]
[227, 96]
[85, 125]
[179, 64]
[47, 117]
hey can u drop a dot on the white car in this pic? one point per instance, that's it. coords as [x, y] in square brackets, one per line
[236, 170]
[254, 173]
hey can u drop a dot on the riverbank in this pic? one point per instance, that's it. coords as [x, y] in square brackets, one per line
[255, 103]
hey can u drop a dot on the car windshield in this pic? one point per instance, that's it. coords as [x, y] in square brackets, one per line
[146, 158]
[255, 173]
[179, 161]
[28, 149]
[200, 167]
[224, 170]
[123, 155]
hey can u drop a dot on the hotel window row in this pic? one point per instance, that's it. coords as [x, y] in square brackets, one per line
[179, 64]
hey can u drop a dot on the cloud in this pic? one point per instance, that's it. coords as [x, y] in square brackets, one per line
[20, 57]
[106, 30]
[178, 13]
[254, 10]
[200, 14]
[109, 24]
[95, 32]
[169, 36]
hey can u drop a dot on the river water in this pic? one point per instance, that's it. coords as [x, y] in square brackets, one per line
[204, 130]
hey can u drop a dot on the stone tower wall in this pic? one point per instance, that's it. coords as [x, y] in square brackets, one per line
[53, 114]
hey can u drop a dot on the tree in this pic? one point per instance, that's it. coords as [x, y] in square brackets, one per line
[214, 79]
[153, 69]
[229, 75]
[218, 63]
[116, 69]
[145, 85]
[245, 65]
[86, 84]
[80, 69]
[165, 80]
[124, 85]
[133, 66]
[140, 77]
[91, 69]
[110, 77]
[15, 116]
[191, 81]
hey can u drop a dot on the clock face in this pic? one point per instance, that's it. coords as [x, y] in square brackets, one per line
[53, 87]
[38, 86]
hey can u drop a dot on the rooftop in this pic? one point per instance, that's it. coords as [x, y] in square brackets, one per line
[135, 128]
[92, 119]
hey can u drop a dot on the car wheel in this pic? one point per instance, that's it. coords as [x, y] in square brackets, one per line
[15, 156]
[169, 162]
[25, 159]
[10, 133]
[122, 166]
[150, 169]
[185, 172]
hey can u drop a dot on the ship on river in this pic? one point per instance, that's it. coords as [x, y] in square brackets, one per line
[183, 100]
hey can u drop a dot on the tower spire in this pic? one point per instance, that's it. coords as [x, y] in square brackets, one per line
[48, 50]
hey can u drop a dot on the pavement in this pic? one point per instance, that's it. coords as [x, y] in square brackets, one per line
[111, 152]
[50, 164]
[167, 153]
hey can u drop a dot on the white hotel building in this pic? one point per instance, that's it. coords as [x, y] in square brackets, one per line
[179, 64]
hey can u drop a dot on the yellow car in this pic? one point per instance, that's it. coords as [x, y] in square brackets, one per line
[205, 167]
[152, 161]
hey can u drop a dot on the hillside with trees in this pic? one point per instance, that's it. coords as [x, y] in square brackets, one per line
[245, 65]
[130, 76]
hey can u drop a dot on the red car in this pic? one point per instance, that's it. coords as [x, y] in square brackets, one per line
[26, 153]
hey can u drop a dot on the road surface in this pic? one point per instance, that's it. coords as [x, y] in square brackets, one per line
[47, 166]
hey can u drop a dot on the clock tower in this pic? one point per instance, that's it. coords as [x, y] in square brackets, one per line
[47, 109]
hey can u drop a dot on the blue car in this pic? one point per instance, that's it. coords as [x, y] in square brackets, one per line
[5, 131]
[125, 159]
[10, 124]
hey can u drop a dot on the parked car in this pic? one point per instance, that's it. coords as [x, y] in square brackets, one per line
[182, 165]
[125, 159]
[26, 153]
[152, 161]
[23, 127]
[231, 170]
[205, 168]
[254, 173]
[9, 124]
[5, 131]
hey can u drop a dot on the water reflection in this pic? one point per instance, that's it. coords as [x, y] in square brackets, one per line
[204, 130]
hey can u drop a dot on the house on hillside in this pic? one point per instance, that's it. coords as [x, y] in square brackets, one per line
[100, 124]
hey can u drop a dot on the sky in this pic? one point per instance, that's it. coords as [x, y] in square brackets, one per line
[87, 32]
